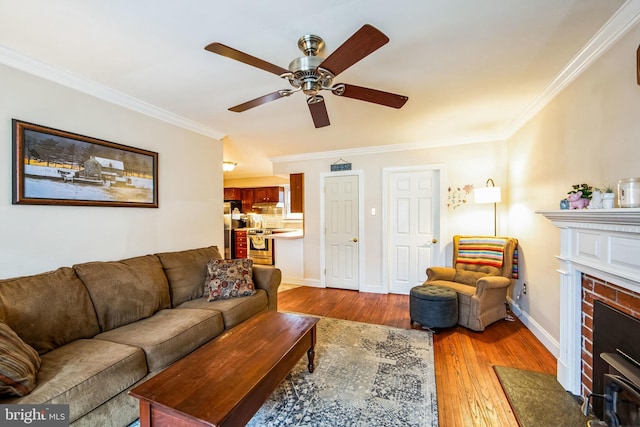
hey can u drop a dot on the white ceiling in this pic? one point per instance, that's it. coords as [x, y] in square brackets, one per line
[473, 70]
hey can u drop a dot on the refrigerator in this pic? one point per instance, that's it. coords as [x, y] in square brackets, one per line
[230, 223]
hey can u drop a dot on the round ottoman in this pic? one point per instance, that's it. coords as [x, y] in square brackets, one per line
[433, 306]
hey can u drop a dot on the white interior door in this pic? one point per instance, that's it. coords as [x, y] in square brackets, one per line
[412, 223]
[341, 231]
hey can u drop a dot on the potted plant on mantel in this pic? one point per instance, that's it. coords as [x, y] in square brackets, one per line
[580, 196]
[608, 196]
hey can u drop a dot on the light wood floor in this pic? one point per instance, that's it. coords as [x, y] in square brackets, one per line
[469, 393]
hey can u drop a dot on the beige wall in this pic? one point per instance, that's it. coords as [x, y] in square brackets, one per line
[590, 133]
[40, 238]
[463, 164]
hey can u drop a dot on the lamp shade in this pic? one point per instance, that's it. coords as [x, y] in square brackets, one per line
[487, 195]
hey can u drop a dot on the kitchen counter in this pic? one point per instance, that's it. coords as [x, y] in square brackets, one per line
[289, 235]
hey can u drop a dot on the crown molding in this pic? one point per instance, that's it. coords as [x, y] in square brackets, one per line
[613, 30]
[73, 81]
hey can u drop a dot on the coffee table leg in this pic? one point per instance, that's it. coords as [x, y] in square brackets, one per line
[311, 352]
[145, 414]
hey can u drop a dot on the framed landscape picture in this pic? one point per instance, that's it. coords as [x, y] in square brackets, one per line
[54, 167]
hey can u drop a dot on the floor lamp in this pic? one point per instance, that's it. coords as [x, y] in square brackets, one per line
[489, 195]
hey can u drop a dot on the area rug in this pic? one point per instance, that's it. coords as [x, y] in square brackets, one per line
[366, 375]
[538, 399]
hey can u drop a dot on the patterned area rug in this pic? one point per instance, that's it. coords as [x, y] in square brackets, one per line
[366, 375]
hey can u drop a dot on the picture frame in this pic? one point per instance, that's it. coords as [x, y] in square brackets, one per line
[55, 167]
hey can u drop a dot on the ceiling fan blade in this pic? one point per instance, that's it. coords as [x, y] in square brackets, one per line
[363, 42]
[318, 111]
[258, 101]
[371, 95]
[232, 53]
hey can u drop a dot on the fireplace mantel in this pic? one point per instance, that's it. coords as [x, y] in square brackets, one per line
[604, 243]
[604, 217]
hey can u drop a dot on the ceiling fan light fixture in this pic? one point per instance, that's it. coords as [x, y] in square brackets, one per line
[311, 74]
[304, 73]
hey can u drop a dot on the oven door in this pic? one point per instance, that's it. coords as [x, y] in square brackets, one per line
[260, 249]
[622, 406]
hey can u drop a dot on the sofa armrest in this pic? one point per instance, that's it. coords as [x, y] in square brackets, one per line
[491, 282]
[268, 278]
[441, 273]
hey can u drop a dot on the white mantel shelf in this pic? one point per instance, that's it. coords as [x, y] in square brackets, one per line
[618, 216]
[604, 243]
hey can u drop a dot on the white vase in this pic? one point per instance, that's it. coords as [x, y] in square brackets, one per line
[607, 200]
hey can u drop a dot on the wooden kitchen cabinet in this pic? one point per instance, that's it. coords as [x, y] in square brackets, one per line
[239, 244]
[247, 198]
[268, 194]
[296, 183]
[233, 194]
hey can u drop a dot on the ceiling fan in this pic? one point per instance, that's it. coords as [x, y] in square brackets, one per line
[312, 74]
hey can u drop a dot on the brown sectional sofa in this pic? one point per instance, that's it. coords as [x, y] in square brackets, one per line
[101, 328]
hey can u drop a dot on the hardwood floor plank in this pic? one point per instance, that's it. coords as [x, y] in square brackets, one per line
[469, 393]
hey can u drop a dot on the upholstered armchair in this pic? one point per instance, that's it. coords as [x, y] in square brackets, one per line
[483, 269]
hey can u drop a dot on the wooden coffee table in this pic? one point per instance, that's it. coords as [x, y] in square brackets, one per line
[226, 381]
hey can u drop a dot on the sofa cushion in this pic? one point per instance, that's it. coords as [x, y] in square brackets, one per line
[187, 272]
[125, 291]
[168, 335]
[19, 364]
[234, 310]
[85, 373]
[25, 305]
[229, 278]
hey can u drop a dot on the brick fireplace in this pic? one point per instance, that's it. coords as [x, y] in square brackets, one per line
[599, 260]
[614, 296]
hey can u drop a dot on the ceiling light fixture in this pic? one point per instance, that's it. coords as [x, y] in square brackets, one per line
[228, 166]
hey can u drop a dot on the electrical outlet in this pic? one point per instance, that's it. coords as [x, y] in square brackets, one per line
[524, 288]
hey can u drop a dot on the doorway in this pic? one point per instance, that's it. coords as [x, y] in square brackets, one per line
[413, 225]
[342, 223]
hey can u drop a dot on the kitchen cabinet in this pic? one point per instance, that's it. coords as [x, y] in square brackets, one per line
[239, 244]
[232, 194]
[249, 196]
[247, 199]
[268, 194]
[296, 185]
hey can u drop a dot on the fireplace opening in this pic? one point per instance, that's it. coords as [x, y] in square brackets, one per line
[616, 366]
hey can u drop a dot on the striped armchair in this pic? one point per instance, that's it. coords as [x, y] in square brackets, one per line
[483, 269]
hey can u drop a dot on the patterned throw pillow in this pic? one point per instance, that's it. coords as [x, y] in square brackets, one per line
[19, 364]
[229, 278]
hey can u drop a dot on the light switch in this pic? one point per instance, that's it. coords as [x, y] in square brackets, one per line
[373, 211]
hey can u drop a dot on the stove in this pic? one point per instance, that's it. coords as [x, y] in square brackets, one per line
[260, 249]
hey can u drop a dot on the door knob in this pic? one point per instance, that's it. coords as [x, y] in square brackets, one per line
[434, 241]
[354, 240]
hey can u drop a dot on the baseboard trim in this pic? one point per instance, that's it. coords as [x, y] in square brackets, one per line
[538, 331]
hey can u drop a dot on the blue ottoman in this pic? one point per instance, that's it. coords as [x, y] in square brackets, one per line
[433, 306]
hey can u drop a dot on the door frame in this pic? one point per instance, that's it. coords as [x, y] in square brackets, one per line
[361, 239]
[438, 168]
